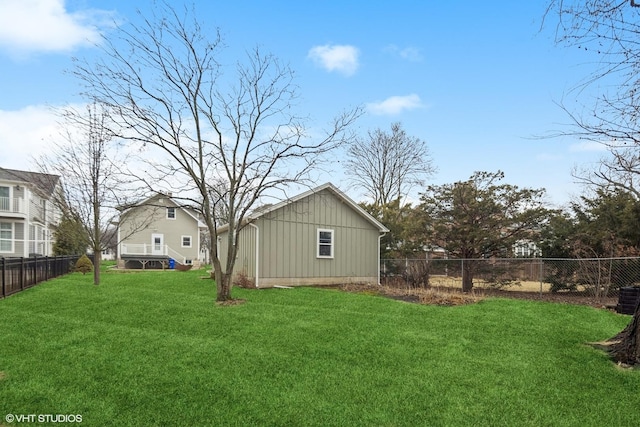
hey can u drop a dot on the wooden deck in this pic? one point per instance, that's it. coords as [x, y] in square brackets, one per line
[152, 262]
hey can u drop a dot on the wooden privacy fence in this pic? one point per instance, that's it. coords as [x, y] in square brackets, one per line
[22, 273]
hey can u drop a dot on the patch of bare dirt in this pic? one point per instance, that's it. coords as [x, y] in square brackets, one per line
[608, 346]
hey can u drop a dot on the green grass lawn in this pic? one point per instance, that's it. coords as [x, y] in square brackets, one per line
[152, 349]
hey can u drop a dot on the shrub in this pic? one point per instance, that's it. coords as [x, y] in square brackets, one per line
[84, 264]
[417, 274]
[242, 281]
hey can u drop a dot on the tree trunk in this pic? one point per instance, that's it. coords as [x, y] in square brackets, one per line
[625, 346]
[223, 282]
[467, 276]
[224, 288]
[97, 260]
[97, 232]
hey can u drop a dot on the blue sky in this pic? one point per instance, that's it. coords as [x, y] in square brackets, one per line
[476, 80]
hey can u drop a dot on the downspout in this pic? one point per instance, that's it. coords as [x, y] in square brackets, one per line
[257, 253]
[218, 240]
[379, 239]
[27, 223]
[119, 245]
[46, 241]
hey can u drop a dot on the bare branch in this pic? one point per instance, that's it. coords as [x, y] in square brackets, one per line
[387, 165]
[96, 182]
[607, 30]
[220, 143]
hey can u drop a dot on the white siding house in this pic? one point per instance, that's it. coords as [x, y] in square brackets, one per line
[27, 213]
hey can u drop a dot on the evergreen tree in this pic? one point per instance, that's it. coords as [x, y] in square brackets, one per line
[70, 237]
[481, 218]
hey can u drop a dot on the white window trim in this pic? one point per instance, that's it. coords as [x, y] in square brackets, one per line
[182, 241]
[13, 238]
[175, 213]
[332, 245]
[10, 203]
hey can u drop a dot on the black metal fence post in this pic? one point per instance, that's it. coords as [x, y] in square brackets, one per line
[4, 280]
[22, 273]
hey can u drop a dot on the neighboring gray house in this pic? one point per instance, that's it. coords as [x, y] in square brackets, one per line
[156, 231]
[318, 237]
[28, 213]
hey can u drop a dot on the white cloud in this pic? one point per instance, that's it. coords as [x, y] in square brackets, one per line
[340, 58]
[411, 54]
[587, 146]
[549, 157]
[25, 133]
[46, 26]
[395, 105]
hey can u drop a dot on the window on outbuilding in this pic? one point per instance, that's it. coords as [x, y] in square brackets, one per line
[325, 243]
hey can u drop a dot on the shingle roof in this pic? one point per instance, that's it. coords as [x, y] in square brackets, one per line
[43, 181]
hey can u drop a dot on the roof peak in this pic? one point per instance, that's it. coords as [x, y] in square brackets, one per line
[326, 186]
[44, 181]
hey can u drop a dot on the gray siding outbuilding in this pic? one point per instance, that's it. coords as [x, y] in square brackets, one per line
[318, 237]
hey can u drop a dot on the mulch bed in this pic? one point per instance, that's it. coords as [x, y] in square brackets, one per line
[454, 296]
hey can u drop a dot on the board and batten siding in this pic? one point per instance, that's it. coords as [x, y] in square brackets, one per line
[288, 244]
[246, 256]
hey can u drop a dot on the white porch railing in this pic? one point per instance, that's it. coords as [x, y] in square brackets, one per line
[177, 256]
[15, 205]
[151, 250]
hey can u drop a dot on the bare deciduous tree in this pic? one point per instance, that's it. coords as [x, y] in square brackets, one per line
[95, 182]
[387, 165]
[606, 30]
[224, 142]
[609, 30]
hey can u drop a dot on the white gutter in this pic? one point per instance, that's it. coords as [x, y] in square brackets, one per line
[379, 238]
[258, 253]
